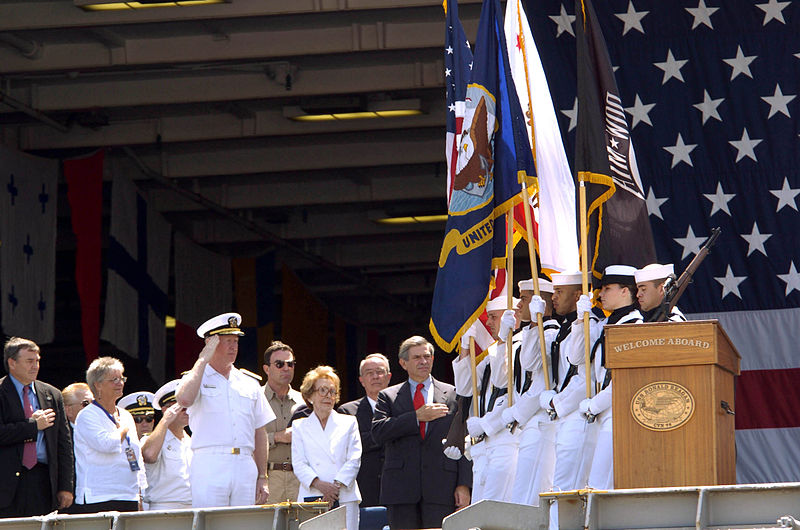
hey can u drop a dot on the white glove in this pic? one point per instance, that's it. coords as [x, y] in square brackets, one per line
[508, 415]
[474, 427]
[465, 337]
[507, 323]
[452, 452]
[584, 305]
[545, 397]
[536, 305]
[584, 406]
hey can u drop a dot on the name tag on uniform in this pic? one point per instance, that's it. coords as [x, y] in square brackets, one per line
[209, 386]
[131, 459]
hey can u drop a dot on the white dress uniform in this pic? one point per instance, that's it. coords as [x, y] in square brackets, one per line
[601, 474]
[168, 478]
[223, 420]
[330, 453]
[536, 453]
[463, 383]
[501, 445]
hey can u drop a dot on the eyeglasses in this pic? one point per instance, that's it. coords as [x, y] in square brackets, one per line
[279, 363]
[325, 391]
[85, 403]
[117, 380]
[147, 418]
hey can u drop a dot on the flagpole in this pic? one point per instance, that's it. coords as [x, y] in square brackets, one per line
[475, 409]
[510, 299]
[528, 221]
[585, 282]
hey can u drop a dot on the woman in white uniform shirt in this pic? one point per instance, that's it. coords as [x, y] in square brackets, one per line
[326, 446]
[109, 470]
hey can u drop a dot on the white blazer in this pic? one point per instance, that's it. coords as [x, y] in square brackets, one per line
[333, 453]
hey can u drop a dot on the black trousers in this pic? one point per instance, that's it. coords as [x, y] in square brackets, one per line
[33, 496]
[419, 515]
[107, 506]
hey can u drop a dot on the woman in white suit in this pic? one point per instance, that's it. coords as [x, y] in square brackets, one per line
[326, 446]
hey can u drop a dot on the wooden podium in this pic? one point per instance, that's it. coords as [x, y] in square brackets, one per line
[672, 382]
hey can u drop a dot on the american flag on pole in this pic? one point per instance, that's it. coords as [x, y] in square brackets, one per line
[710, 89]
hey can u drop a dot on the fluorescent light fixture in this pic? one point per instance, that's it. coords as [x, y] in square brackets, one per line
[413, 219]
[114, 5]
[377, 109]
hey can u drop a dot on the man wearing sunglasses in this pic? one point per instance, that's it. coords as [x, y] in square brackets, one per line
[140, 405]
[279, 365]
[76, 397]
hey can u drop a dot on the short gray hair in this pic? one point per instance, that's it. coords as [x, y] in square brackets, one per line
[372, 357]
[13, 346]
[410, 342]
[99, 368]
[70, 390]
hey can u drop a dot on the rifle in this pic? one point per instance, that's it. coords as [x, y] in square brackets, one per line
[673, 289]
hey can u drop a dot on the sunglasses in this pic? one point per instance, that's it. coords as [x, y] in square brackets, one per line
[85, 403]
[279, 363]
[147, 418]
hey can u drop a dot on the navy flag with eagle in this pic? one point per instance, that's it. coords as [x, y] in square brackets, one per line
[619, 229]
[494, 156]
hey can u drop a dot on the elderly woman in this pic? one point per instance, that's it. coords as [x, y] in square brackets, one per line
[108, 462]
[326, 446]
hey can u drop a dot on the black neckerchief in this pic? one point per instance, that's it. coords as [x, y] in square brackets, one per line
[555, 348]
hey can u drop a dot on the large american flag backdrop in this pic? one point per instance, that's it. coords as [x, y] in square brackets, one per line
[710, 88]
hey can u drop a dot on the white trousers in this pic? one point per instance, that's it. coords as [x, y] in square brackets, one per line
[501, 449]
[352, 514]
[222, 479]
[571, 472]
[601, 476]
[535, 462]
[479, 465]
[158, 506]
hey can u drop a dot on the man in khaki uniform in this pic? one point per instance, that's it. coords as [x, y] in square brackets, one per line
[284, 400]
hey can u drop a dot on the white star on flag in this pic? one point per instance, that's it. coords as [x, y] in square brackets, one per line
[745, 146]
[563, 22]
[572, 114]
[672, 68]
[719, 200]
[792, 279]
[632, 19]
[773, 10]
[709, 107]
[691, 244]
[680, 151]
[740, 64]
[730, 283]
[654, 204]
[756, 240]
[778, 102]
[640, 112]
[702, 14]
[786, 196]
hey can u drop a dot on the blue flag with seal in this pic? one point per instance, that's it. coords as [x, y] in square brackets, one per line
[494, 157]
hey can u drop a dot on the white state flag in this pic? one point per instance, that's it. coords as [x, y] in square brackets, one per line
[28, 244]
[138, 278]
[556, 213]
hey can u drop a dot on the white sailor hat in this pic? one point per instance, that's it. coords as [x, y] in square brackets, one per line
[544, 285]
[224, 324]
[500, 304]
[165, 396]
[567, 278]
[137, 402]
[654, 271]
[622, 274]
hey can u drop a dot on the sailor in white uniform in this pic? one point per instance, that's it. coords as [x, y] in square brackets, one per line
[650, 291]
[617, 295]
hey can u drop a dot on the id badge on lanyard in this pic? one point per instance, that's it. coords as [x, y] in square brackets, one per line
[129, 454]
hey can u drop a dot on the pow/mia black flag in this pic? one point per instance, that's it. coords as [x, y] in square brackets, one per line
[619, 229]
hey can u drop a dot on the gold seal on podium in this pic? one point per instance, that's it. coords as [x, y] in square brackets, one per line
[662, 406]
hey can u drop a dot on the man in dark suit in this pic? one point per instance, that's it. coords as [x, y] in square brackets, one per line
[36, 461]
[374, 375]
[419, 485]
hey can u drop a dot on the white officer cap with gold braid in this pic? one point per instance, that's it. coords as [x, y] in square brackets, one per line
[224, 324]
[137, 402]
[165, 396]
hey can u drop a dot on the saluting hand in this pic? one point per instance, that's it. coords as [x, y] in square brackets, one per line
[209, 348]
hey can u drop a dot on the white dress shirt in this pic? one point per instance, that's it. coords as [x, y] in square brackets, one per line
[168, 477]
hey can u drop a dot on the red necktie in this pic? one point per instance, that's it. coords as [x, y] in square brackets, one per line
[418, 402]
[29, 452]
